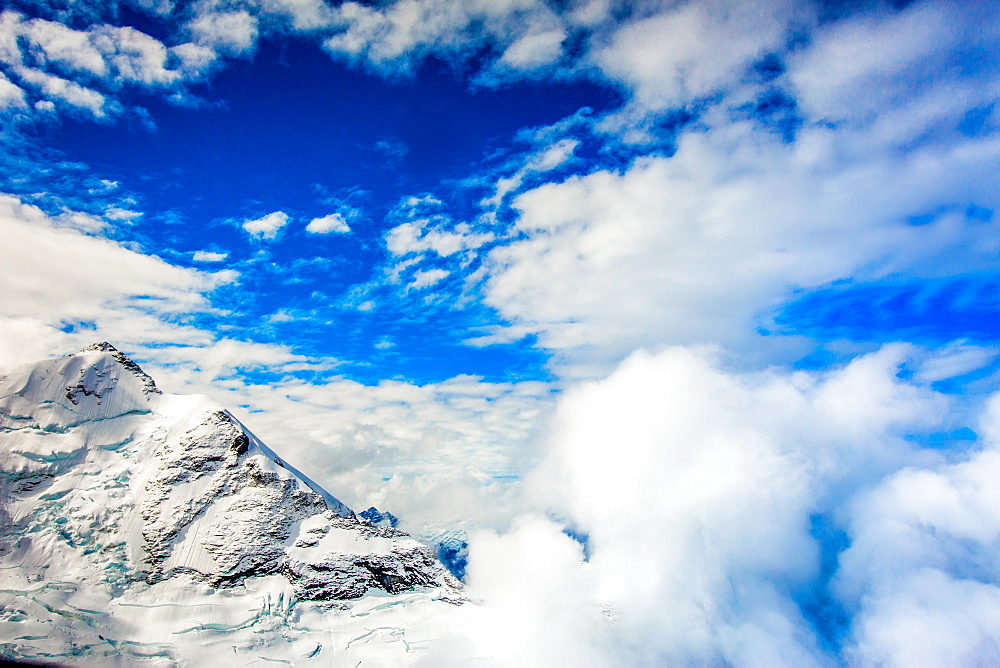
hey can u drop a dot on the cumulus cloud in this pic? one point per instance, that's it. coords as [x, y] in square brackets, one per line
[332, 224]
[68, 93]
[394, 37]
[691, 50]
[301, 15]
[266, 227]
[61, 45]
[422, 235]
[534, 50]
[697, 497]
[134, 56]
[426, 229]
[920, 574]
[11, 95]
[233, 33]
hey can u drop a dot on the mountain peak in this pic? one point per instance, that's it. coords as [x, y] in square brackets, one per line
[148, 384]
[119, 505]
[100, 346]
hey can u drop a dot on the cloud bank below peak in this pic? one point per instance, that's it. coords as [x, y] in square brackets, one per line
[698, 515]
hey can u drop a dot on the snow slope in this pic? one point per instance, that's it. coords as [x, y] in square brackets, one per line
[143, 527]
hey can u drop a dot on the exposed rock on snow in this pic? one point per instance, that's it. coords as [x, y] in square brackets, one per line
[117, 497]
[375, 516]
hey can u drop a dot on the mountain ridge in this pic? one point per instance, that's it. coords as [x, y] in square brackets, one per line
[116, 490]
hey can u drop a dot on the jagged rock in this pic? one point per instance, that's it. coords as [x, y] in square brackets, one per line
[374, 516]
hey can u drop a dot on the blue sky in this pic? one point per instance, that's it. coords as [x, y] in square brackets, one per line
[447, 256]
[281, 126]
[290, 130]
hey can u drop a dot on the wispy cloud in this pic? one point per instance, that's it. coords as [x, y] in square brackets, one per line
[66, 287]
[209, 256]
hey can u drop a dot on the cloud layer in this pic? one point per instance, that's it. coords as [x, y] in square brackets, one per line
[56, 277]
[764, 518]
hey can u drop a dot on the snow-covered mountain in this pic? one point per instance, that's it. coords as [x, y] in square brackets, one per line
[139, 526]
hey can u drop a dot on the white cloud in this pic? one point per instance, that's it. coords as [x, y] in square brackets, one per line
[86, 69]
[694, 488]
[195, 60]
[266, 227]
[392, 38]
[589, 12]
[82, 222]
[441, 454]
[872, 71]
[221, 358]
[67, 92]
[304, 15]
[159, 7]
[436, 234]
[702, 246]
[534, 50]
[920, 572]
[695, 49]
[118, 214]
[55, 276]
[135, 56]
[426, 278]
[232, 33]
[332, 224]
[111, 53]
[209, 256]
[11, 95]
[561, 626]
[541, 161]
[64, 46]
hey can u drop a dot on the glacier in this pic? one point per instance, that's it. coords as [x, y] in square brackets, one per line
[140, 527]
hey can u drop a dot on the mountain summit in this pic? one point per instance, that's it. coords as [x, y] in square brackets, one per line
[136, 524]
